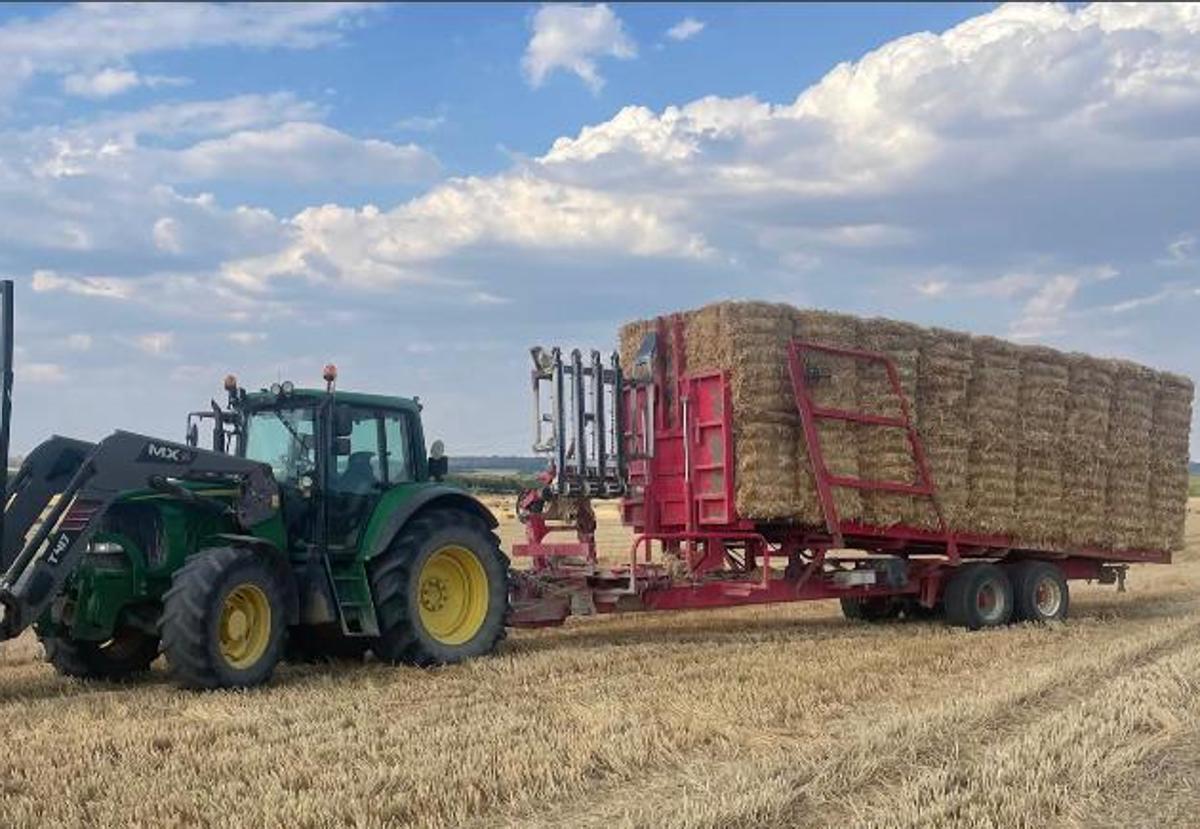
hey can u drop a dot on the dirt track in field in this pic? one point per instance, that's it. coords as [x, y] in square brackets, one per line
[751, 717]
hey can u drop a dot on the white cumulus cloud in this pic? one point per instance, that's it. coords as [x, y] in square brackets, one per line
[301, 152]
[571, 38]
[685, 29]
[103, 84]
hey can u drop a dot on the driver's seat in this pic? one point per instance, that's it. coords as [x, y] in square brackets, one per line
[359, 477]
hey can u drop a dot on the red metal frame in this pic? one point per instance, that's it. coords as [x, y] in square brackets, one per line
[680, 459]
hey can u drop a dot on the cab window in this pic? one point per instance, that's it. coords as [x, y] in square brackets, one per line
[359, 471]
[285, 439]
[380, 452]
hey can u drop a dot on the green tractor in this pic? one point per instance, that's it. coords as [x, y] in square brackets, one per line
[315, 527]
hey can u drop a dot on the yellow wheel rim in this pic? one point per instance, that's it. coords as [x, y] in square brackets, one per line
[452, 595]
[245, 626]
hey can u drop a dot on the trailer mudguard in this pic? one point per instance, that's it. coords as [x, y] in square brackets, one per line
[429, 496]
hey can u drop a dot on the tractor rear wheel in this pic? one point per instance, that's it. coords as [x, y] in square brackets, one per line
[223, 620]
[979, 596]
[129, 652]
[441, 591]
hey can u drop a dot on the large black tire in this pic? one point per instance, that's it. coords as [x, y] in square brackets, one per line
[324, 643]
[396, 583]
[202, 639]
[881, 609]
[129, 652]
[979, 596]
[1040, 592]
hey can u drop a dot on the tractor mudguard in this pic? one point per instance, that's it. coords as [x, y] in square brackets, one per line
[437, 496]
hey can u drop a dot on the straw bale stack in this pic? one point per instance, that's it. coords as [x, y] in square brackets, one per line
[1128, 484]
[992, 405]
[1047, 449]
[884, 454]
[1042, 411]
[943, 375]
[1172, 420]
[1085, 448]
[836, 389]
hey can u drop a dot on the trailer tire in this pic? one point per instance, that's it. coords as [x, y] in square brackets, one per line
[1040, 592]
[979, 596]
[129, 652]
[441, 591]
[877, 609]
[224, 619]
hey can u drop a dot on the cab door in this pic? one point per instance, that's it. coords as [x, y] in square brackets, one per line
[371, 453]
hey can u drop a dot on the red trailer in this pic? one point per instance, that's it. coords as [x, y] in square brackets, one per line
[660, 439]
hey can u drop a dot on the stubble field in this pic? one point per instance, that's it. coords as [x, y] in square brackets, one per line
[750, 717]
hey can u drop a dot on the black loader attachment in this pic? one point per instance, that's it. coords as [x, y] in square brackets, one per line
[56, 500]
[123, 461]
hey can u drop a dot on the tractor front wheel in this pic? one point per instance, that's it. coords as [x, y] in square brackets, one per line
[129, 652]
[441, 591]
[223, 620]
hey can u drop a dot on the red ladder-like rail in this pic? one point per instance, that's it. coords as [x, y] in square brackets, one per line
[824, 479]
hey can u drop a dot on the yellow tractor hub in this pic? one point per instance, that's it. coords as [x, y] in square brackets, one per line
[245, 626]
[452, 595]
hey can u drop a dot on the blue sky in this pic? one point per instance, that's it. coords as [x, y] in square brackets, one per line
[420, 192]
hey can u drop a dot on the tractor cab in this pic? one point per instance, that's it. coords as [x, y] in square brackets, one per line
[334, 454]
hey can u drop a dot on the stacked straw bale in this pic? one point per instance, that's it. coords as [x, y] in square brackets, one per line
[885, 454]
[1131, 418]
[1044, 390]
[1050, 449]
[1169, 461]
[1085, 448]
[943, 376]
[992, 406]
[837, 389]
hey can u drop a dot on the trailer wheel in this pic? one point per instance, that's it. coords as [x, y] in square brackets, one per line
[223, 620]
[1040, 592]
[979, 596]
[877, 609]
[441, 591]
[129, 652]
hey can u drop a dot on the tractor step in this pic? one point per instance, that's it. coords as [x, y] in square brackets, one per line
[356, 607]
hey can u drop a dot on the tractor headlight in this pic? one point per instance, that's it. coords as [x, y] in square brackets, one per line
[288, 387]
[276, 389]
[104, 548]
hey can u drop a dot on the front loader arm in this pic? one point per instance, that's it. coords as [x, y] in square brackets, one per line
[45, 473]
[39, 567]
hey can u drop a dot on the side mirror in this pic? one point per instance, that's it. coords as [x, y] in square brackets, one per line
[343, 421]
[341, 447]
[439, 464]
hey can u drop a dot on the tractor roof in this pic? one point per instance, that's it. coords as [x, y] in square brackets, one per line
[382, 401]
